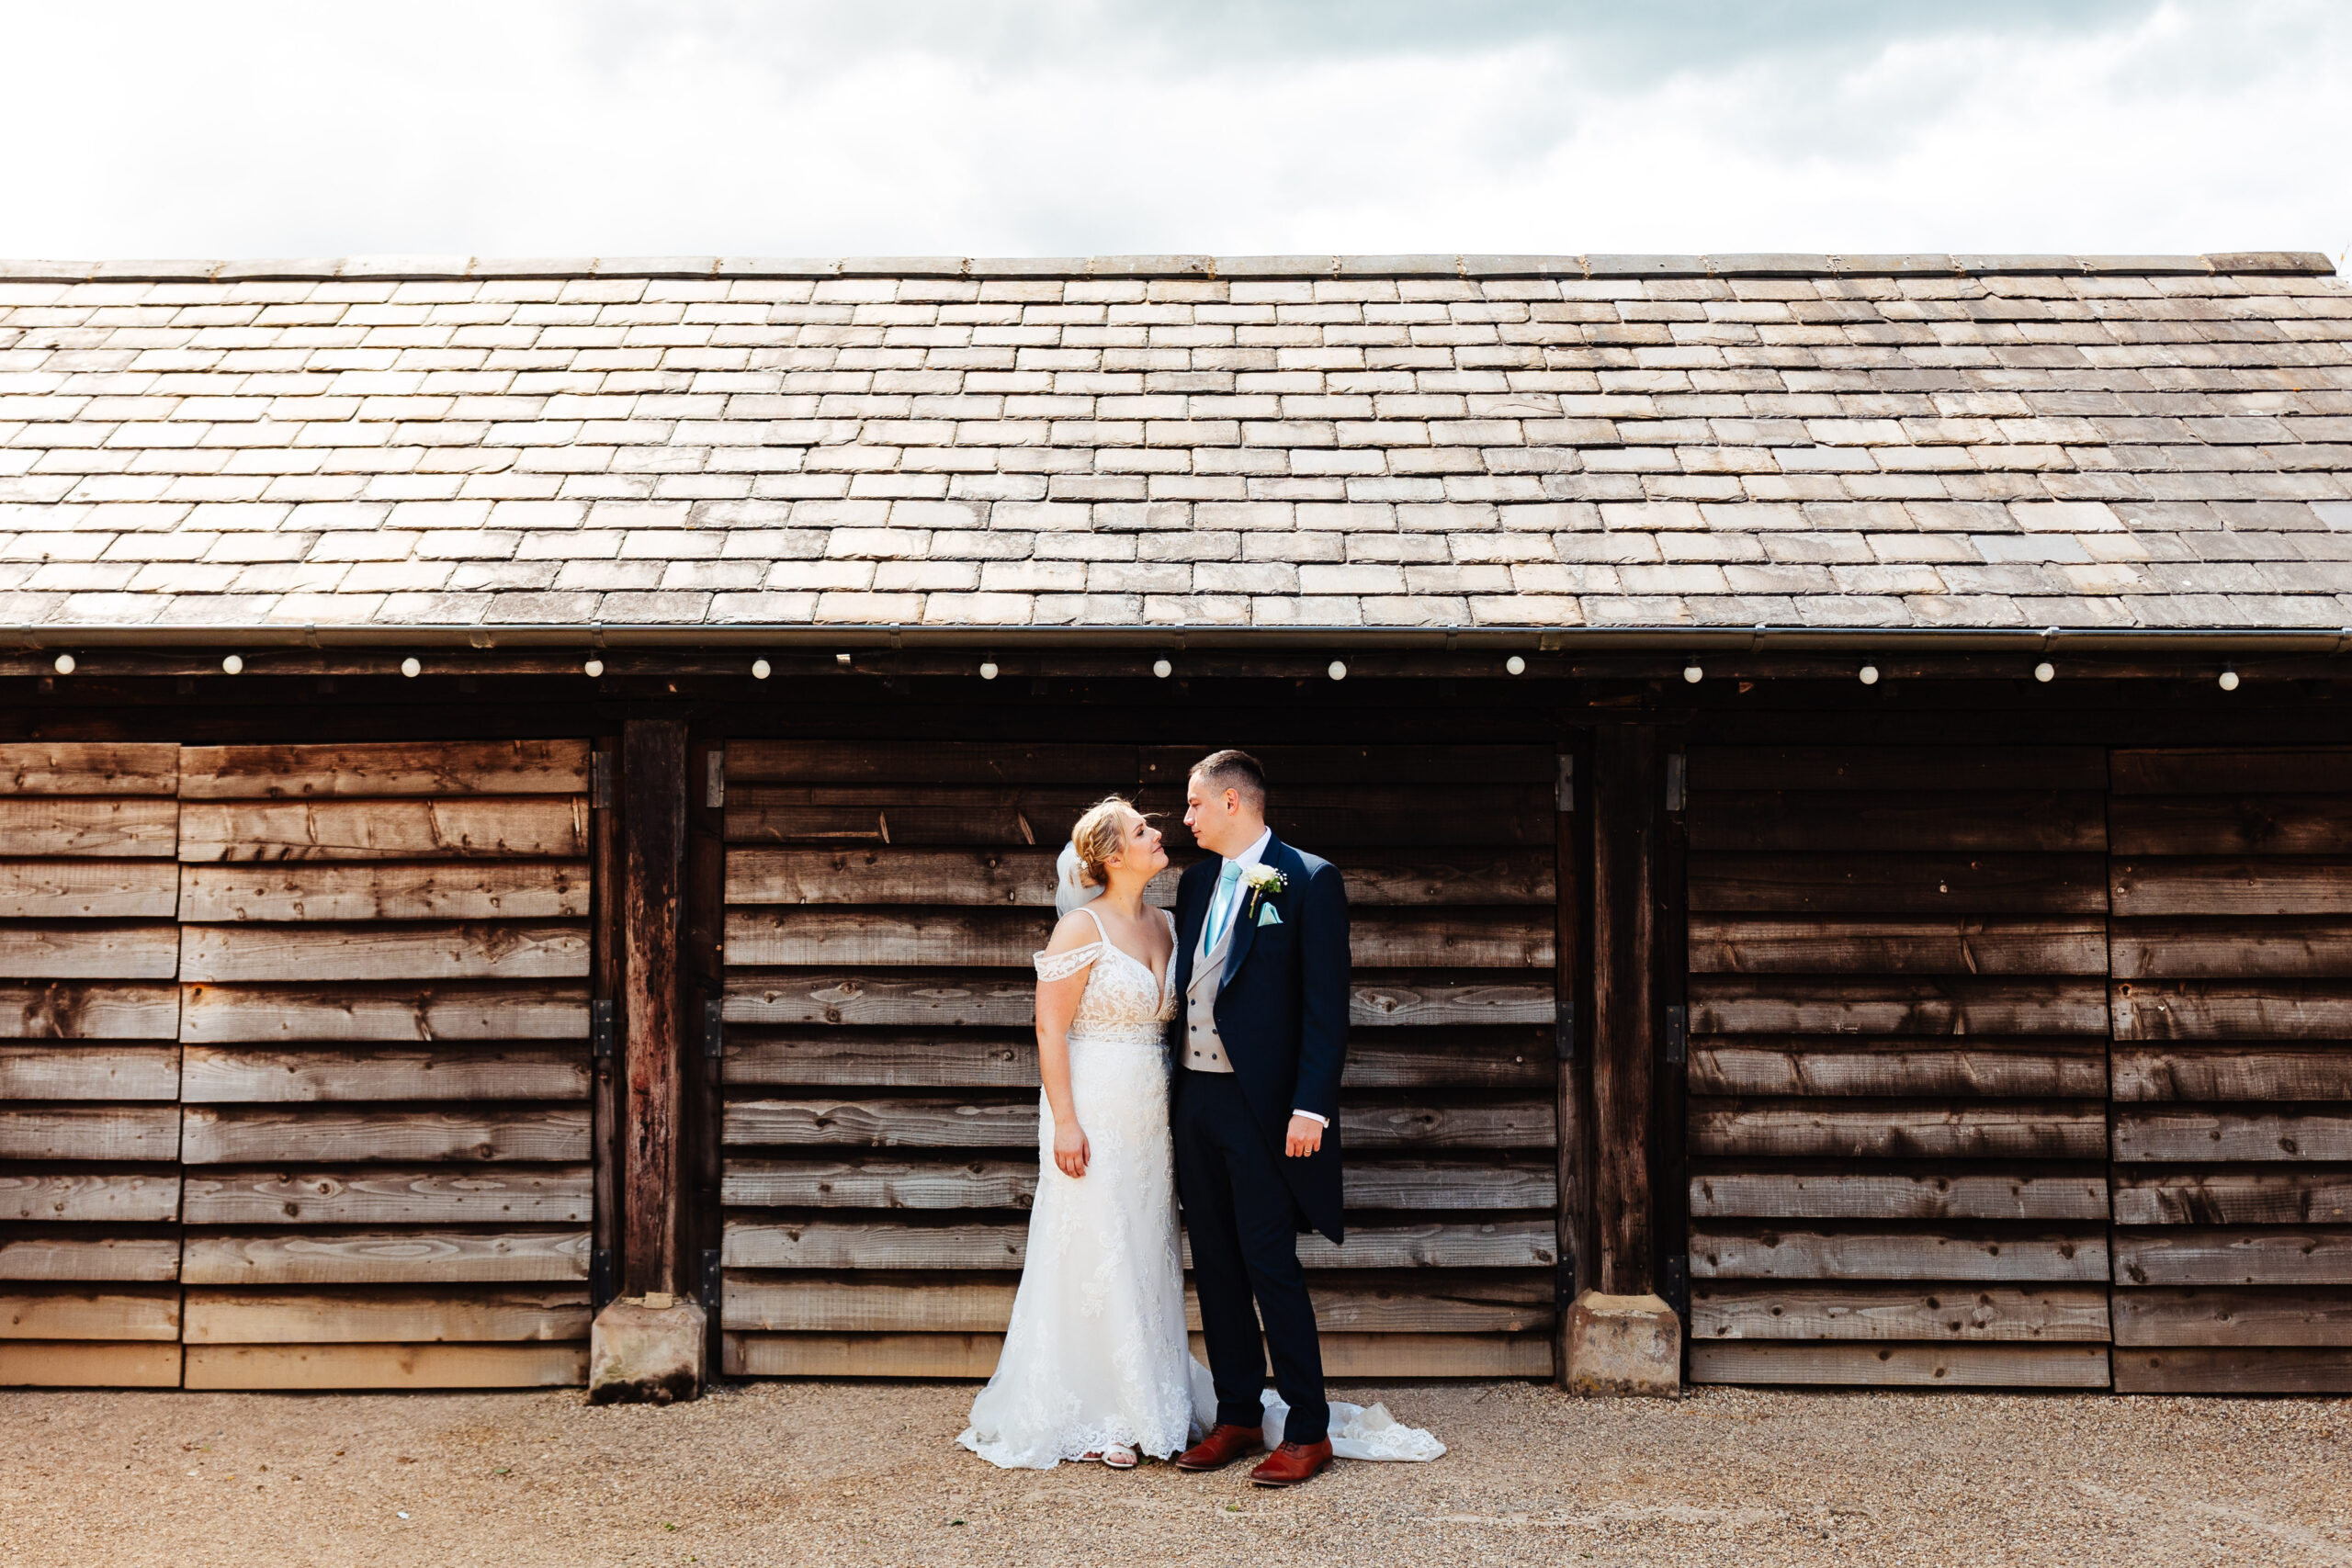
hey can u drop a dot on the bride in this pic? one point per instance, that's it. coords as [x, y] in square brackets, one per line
[1095, 1365]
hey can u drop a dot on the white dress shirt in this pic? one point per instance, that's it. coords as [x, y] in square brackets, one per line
[1251, 856]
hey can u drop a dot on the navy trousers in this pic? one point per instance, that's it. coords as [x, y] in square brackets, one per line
[1245, 1244]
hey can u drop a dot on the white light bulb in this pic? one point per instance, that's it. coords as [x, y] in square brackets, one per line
[841, 659]
[2045, 671]
[64, 665]
[1693, 674]
[759, 669]
[988, 669]
[232, 665]
[1870, 675]
[411, 668]
[594, 669]
[1515, 664]
[2229, 679]
[1338, 671]
[1161, 667]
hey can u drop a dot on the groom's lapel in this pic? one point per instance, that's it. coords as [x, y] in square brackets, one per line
[1189, 905]
[1245, 919]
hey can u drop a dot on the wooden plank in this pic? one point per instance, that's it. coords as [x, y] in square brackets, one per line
[1989, 1313]
[2222, 1010]
[1940, 1004]
[89, 1070]
[385, 1366]
[957, 1059]
[2232, 825]
[1500, 1244]
[86, 1313]
[101, 1010]
[510, 1009]
[2260, 1196]
[1890, 944]
[1024, 877]
[89, 767]
[1010, 1183]
[931, 1122]
[950, 998]
[486, 950]
[2232, 770]
[377, 1315]
[1900, 1366]
[1918, 883]
[414, 890]
[548, 827]
[474, 1194]
[385, 1258]
[2028, 1069]
[1878, 767]
[1898, 1129]
[87, 889]
[86, 826]
[654, 1228]
[2301, 948]
[56, 1196]
[2261, 1370]
[2191, 1133]
[70, 1363]
[2243, 889]
[90, 950]
[78, 1131]
[929, 763]
[242, 1134]
[2145, 1072]
[388, 768]
[1912, 1194]
[2199, 1255]
[150, 1259]
[1748, 1252]
[1452, 1304]
[781, 935]
[1846, 820]
[2233, 1317]
[232, 1075]
[1288, 767]
[1345, 1356]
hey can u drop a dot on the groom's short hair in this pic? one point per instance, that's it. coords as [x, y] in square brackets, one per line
[1235, 770]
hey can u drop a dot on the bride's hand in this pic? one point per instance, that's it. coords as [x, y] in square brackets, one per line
[1070, 1152]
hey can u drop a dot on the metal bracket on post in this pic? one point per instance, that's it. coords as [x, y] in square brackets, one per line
[1563, 1031]
[714, 1297]
[714, 1029]
[600, 1278]
[1564, 788]
[601, 1029]
[714, 785]
[1677, 1034]
[1564, 1281]
[600, 780]
[1677, 775]
[1675, 1285]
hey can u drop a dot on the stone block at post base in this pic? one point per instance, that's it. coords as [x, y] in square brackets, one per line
[651, 1349]
[1624, 1346]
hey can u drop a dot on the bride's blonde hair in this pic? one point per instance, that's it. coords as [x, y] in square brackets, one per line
[1101, 834]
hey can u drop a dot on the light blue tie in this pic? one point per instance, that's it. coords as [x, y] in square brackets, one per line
[1221, 905]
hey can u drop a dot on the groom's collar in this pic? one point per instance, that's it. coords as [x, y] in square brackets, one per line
[1257, 852]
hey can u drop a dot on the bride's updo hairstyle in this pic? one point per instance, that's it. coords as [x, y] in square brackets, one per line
[1101, 834]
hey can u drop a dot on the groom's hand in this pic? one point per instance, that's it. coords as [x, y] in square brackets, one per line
[1304, 1137]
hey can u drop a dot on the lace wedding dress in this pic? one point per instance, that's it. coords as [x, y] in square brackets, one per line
[1095, 1353]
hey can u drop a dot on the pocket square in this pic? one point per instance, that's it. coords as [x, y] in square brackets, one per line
[1266, 917]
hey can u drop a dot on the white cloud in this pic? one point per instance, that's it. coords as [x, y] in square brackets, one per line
[537, 128]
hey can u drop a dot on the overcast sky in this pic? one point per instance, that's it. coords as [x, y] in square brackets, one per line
[532, 127]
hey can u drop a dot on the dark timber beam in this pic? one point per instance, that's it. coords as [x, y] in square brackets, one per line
[653, 827]
[1625, 825]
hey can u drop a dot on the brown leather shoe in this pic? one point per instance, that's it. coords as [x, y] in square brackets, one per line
[1291, 1463]
[1224, 1444]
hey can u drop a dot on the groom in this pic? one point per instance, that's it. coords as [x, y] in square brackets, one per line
[1261, 967]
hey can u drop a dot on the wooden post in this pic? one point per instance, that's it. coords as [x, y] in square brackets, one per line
[1571, 1037]
[1624, 851]
[653, 829]
[604, 990]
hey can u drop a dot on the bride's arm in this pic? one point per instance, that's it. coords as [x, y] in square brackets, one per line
[1057, 1002]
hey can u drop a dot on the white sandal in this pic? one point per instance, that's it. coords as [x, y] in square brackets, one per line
[1118, 1456]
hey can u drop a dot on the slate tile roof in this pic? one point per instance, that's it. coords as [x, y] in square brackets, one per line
[1348, 442]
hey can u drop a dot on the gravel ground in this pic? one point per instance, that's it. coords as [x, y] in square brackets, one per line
[778, 1474]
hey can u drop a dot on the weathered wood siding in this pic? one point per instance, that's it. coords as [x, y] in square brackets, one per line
[89, 1065]
[1897, 1066]
[383, 1022]
[880, 1121]
[2232, 998]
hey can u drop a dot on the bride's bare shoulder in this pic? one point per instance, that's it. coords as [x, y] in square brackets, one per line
[1076, 929]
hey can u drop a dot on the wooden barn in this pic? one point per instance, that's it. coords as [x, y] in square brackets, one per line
[527, 785]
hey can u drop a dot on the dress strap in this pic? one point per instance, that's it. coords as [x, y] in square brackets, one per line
[1062, 965]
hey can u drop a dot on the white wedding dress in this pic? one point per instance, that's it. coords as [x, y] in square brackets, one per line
[1096, 1352]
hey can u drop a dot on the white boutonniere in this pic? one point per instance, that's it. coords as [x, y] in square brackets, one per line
[1264, 882]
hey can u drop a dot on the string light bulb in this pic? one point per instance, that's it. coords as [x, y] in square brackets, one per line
[232, 665]
[63, 664]
[761, 670]
[1693, 674]
[1868, 673]
[594, 669]
[1161, 667]
[1515, 664]
[2229, 678]
[411, 668]
[988, 669]
[1338, 670]
[2045, 672]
